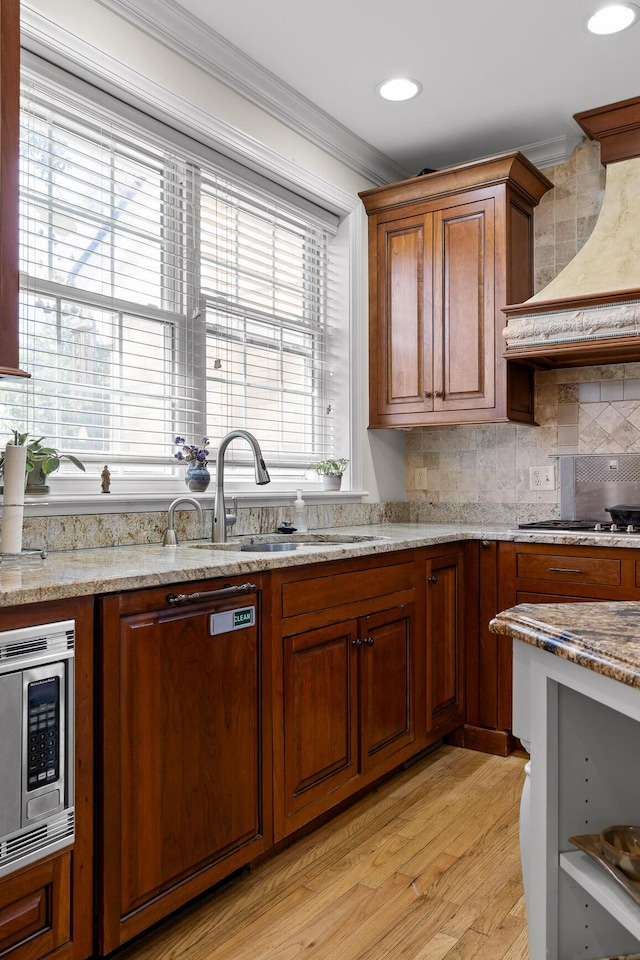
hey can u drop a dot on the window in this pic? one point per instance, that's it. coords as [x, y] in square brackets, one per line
[162, 296]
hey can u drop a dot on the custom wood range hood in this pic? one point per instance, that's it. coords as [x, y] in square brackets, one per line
[590, 313]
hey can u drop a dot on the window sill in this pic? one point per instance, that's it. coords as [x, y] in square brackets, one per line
[65, 505]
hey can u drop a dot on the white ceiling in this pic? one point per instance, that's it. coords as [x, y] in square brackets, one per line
[497, 74]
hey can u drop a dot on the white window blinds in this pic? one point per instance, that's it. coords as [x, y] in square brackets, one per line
[162, 296]
[264, 277]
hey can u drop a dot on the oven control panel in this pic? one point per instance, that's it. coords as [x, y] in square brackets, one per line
[43, 733]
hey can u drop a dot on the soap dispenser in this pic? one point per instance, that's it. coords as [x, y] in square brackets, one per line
[300, 513]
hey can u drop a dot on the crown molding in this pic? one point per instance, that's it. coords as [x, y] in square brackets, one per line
[46, 39]
[548, 153]
[193, 40]
[187, 36]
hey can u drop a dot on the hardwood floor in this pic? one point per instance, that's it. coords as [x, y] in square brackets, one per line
[424, 868]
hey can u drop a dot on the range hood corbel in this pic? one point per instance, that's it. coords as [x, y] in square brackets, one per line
[590, 313]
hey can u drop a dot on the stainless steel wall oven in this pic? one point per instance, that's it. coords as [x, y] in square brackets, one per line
[36, 742]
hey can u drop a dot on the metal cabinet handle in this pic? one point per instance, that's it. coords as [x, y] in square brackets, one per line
[564, 570]
[437, 393]
[368, 641]
[230, 591]
[426, 394]
[433, 579]
[357, 642]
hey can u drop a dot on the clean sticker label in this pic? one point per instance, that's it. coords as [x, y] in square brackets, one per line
[232, 620]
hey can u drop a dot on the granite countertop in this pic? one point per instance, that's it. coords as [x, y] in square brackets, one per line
[74, 573]
[601, 636]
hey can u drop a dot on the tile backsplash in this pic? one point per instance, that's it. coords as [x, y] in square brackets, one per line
[565, 217]
[482, 472]
[122, 529]
[603, 415]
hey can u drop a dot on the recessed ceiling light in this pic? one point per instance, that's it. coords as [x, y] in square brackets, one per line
[399, 88]
[613, 18]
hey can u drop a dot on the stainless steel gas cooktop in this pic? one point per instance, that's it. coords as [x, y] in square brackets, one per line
[580, 526]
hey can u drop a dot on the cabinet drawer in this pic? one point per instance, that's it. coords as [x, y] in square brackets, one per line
[333, 590]
[35, 909]
[559, 569]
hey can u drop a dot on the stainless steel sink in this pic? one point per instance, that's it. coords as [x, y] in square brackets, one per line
[275, 542]
[266, 547]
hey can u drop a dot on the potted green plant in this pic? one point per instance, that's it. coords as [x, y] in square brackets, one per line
[331, 472]
[41, 461]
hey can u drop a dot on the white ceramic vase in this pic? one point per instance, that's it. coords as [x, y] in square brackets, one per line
[331, 483]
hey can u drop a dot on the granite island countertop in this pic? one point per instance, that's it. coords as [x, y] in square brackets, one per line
[73, 573]
[602, 636]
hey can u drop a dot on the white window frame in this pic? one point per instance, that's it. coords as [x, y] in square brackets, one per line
[173, 111]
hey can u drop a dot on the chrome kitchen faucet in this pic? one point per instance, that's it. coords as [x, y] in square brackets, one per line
[219, 526]
[170, 539]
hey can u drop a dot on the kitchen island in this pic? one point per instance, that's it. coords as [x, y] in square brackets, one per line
[577, 710]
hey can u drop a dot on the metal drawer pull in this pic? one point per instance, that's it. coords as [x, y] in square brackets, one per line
[230, 591]
[357, 642]
[368, 641]
[433, 579]
[564, 570]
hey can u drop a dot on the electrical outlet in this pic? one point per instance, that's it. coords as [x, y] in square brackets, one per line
[542, 478]
[421, 478]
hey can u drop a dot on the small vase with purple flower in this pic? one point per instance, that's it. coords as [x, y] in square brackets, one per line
[197, 476]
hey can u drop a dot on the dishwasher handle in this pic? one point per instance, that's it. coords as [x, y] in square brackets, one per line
[177, 599]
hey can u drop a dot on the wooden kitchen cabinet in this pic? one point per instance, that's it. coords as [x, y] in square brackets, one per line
[344, 667]
[35, 909]
[9, 155]
[446, 252]
[46, 908]
[320, 687]
[386, 688]
[487, 658]
[444, 577]
[185, 748]
[512, 573]
[557, 572]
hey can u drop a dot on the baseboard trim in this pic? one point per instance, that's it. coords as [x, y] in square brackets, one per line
[500, 743]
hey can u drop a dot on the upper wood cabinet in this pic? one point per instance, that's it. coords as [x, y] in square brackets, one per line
[447, 251]
[9, 152]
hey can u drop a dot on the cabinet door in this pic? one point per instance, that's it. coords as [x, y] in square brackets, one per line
[464, 307]
[445, 667]
[9, 153]
[35, 910]
[189, 749]
[386, 691]
[401, 318]
[320, 715]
